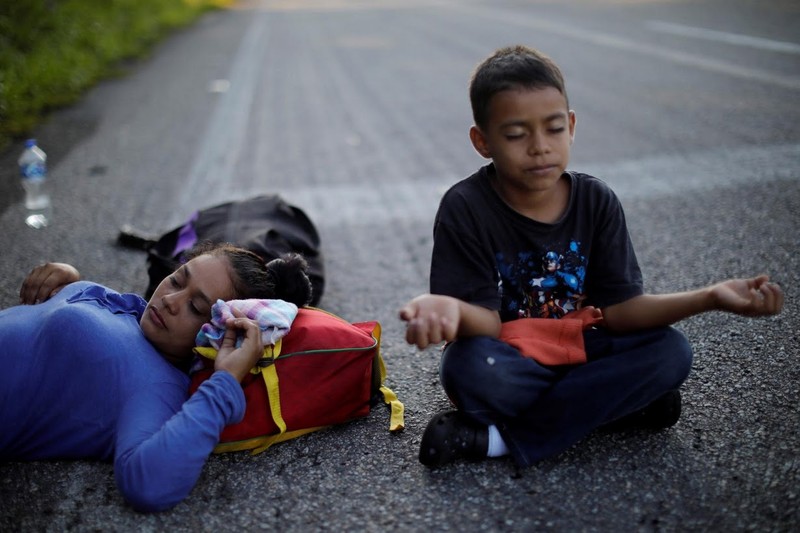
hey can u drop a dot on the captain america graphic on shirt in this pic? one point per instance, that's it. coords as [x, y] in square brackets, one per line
[547, 284]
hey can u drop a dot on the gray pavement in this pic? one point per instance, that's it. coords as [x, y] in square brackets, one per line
[357, 112]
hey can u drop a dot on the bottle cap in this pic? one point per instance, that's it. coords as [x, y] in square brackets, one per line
[30, 143]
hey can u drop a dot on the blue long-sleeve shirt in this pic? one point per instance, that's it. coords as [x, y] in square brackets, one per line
[79, 380]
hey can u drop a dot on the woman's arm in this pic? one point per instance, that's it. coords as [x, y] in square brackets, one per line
[748, 297]
[164, 439]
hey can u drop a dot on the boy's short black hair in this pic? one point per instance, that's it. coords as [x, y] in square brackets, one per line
[513, 67]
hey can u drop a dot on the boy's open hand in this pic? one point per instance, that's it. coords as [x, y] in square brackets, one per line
[431, 319]
[45, 281]
[239, 361]
[748, 297]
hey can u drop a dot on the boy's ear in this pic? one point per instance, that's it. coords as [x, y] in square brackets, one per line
[479, 142]
[572, 122]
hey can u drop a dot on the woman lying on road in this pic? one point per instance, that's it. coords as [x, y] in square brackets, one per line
[92, 373]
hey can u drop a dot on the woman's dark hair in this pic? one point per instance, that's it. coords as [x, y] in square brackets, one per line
[283, 278]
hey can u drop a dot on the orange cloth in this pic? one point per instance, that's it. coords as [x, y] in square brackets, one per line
[552, 342]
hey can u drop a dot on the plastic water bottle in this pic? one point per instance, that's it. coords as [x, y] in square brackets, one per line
[33, 171]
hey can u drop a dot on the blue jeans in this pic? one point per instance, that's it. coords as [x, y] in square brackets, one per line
[540, 411]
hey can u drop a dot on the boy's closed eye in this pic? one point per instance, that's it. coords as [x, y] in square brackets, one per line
[514, 133]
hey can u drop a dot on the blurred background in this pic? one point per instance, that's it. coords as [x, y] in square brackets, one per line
[357, 112]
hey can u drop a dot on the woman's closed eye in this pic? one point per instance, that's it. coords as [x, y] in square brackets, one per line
[193, 308]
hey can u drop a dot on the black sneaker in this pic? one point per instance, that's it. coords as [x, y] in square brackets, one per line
[662, 413]
[451, 435]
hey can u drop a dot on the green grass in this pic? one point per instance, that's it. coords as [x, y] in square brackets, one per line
[52, 51]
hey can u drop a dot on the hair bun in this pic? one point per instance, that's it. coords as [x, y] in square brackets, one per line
[290, 278]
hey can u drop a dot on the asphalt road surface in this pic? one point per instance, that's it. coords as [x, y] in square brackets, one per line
[358, 113]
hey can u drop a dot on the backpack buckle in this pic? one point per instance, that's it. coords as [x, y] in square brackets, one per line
[264, 362]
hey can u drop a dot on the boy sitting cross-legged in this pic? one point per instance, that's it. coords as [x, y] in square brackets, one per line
[524, 239]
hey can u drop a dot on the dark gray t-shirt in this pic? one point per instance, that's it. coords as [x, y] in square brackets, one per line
[487, 254]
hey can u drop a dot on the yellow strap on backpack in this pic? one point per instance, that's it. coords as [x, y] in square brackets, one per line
[269, 373]
[265, 367]
[397, 410]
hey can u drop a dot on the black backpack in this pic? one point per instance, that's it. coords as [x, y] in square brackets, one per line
[266, 225]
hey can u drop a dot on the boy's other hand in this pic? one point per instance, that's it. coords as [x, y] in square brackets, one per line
[44, 282]
[431, 319]
[748, 297]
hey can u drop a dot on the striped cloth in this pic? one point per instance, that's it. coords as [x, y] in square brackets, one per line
[274, 317]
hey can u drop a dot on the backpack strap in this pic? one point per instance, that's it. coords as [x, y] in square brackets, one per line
[269, 373]
[396, 408]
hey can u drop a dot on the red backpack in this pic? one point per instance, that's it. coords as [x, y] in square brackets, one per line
[325, 371]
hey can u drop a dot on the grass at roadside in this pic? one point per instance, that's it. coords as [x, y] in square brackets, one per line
[52, 51]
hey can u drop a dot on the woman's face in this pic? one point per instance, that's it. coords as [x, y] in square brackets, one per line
[181, 304]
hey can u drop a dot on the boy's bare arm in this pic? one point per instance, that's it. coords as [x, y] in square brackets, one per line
[748, 297]
[434, 318]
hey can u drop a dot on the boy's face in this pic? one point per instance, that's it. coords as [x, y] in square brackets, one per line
[528, 137]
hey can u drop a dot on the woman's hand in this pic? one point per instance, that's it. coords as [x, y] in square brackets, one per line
[239, 361]
[45, 281]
